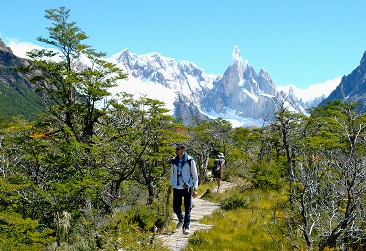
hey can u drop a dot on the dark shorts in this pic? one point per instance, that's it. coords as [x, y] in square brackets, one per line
[217, 175]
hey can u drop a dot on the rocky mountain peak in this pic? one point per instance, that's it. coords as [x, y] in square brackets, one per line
[183, 77]
[236, 53]
[352, 87]
[124, 54]
[363, 59]
[7, 58]
[242, 90]
[237, 60]
[8, 61]
[4, 48]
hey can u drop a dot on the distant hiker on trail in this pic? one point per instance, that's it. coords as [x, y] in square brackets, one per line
[184, 181]
[217, 169]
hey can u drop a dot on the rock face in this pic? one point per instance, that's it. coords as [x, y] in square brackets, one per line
[7, 63]
[17, 94]
[8, 59]
[352, 87]
[6, 54]
[242, 90]
[184, 77]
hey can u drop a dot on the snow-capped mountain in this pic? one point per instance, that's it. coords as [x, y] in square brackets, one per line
[183, 77]
[240, 96]
[165, 79]
[241, 89]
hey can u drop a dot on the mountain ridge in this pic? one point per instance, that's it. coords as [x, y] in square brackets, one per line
[352, 87]
[239, 94]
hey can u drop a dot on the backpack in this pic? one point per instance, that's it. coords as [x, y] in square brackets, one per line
[217, 166]
[172, 161]
[188, 161]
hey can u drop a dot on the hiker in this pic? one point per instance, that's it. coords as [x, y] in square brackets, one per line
[217, 170]
[184, 181]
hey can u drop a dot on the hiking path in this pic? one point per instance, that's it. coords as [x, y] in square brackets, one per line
[177, 240]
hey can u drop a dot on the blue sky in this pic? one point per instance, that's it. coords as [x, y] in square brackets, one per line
[300, 42]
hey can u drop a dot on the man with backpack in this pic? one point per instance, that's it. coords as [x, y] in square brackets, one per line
[217, 169]
[184, 181]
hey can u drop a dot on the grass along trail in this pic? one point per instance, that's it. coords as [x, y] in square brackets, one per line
[177, 240]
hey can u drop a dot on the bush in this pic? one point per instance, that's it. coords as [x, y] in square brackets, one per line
[146, 217]
[235, 202]
[122, 233]
[266, 175]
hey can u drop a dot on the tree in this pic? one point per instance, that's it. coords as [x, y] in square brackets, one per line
[204, 138]
[72, 78]
[328, 195]
[157, 137]
[288, 125]
[58, 152]
[245, 146]
[137, 137]
[79, 161]
[17, 231]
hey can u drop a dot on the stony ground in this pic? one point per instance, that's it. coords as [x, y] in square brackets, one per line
[177, 240]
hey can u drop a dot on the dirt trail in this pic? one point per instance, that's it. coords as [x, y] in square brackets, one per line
[177, 240]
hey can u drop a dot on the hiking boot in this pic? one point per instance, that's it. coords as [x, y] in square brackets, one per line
[180, 224]
[185, 230]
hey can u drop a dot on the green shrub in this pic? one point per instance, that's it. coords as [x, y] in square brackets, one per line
[143, 217]
[235, 202]
[121, 233]
[266, 175]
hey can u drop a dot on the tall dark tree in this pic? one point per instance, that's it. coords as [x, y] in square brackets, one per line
[71, 77]
[73, 80]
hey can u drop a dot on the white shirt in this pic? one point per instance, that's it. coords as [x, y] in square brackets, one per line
[189, 175]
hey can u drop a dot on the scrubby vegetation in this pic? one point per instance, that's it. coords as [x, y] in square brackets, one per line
[256, 221]
[88, 176]
[19, 100]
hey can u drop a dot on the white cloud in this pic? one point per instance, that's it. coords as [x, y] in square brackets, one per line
[313, 91]
[20, 48]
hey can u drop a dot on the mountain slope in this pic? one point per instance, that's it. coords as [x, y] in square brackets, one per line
[181, 85]
[17, 96]
[352, 87]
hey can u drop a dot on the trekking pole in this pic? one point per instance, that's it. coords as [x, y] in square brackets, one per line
[167, 210]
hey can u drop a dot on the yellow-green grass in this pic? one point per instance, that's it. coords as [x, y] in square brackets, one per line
[260, 225]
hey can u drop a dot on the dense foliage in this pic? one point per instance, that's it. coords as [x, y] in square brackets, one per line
[19, 100]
